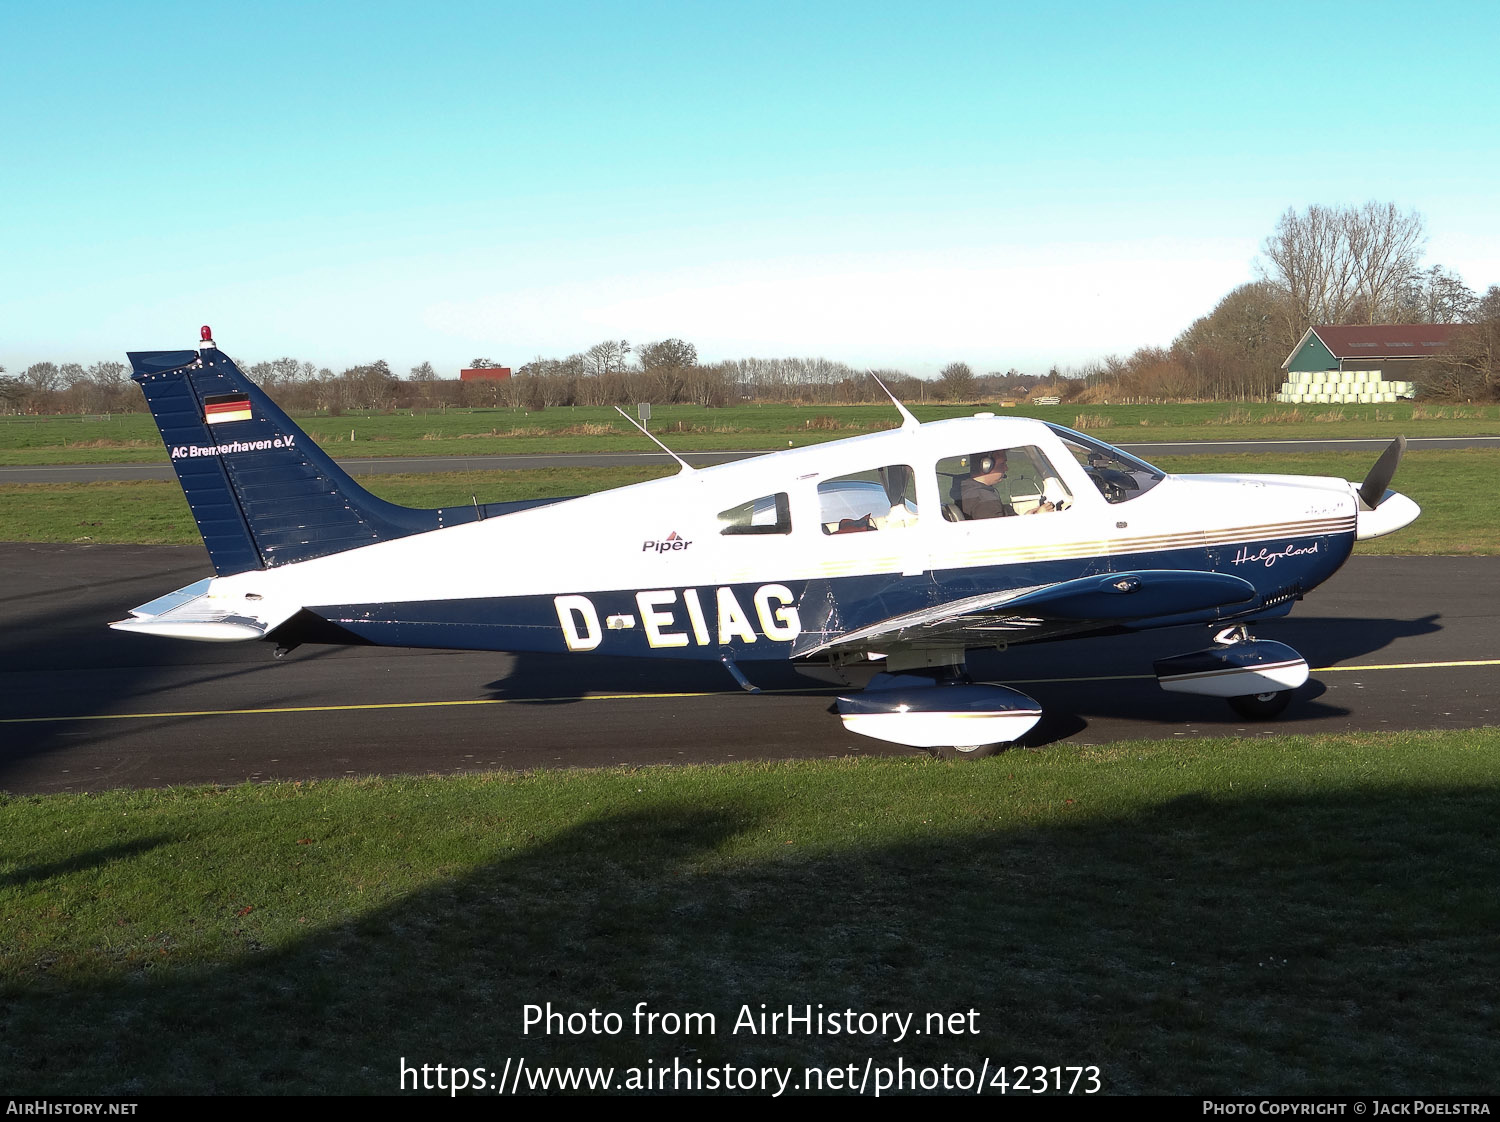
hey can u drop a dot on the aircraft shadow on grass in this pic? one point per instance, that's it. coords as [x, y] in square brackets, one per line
[1266, 944]
[79, 862]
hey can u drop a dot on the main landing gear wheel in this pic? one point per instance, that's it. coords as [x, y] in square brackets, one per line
[1261, 706]
[966, 751]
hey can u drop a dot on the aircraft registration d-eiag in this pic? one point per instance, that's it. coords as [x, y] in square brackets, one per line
[907, 548]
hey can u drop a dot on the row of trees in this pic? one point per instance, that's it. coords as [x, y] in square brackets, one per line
[104, 387]
[1324, 265]
[609, 373]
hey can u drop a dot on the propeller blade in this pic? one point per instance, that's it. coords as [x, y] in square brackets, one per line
[1372, 490]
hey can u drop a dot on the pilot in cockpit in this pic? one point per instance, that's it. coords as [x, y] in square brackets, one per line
[976, 495]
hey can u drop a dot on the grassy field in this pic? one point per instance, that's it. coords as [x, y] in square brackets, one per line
[132, 438]
[1282, 915]
[1457, 492]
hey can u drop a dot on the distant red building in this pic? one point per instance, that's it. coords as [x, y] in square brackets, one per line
[485, 374]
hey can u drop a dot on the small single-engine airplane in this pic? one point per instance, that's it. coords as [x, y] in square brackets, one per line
[909, 547]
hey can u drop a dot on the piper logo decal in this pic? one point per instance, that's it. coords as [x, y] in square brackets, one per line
[668, 623]
[669, 543]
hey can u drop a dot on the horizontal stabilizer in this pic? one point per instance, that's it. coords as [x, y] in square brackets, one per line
[192, 613]
[227, 630]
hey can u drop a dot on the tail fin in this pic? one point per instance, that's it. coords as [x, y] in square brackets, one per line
[263, 494]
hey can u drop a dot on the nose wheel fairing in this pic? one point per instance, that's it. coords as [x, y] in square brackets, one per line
[1252, 666]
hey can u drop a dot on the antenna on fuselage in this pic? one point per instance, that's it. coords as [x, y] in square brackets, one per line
[686, 467]
[907, 420]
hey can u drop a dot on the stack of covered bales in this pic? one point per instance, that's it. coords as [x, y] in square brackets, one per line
[1346, 387]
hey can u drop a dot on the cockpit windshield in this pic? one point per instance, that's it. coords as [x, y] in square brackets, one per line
[1119, 476]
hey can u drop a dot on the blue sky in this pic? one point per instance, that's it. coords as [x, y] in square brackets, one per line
[884, 184]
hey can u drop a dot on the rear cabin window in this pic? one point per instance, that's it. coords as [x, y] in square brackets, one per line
[879, 499]
[769, 514]
[1000, 482]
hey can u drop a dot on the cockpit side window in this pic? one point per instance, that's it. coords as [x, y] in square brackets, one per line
[769, 514]
[882, 498]
[1119, 476]
[998, 482]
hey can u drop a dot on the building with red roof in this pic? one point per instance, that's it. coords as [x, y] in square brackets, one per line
[1375, 346]
[1360, 363]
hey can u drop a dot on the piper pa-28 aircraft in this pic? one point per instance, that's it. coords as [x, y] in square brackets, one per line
[909, 547]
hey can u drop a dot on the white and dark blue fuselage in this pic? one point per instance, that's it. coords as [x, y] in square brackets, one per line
[857, 548]
[648, 570]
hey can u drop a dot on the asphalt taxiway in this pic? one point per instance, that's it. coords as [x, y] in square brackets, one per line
[1395, 643]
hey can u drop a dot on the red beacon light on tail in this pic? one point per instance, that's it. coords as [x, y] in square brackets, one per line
[206, 335]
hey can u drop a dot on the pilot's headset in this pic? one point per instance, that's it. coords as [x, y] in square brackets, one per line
[984, 462]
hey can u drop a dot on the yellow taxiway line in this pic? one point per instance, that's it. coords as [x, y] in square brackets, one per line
[1314, 670]
[646, 696]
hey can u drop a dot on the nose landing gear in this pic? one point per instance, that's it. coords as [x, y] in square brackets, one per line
[1256, 676]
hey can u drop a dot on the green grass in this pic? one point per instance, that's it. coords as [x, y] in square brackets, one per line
[1281, 915]
[132, 437]
[1456, 489]
[154, 512]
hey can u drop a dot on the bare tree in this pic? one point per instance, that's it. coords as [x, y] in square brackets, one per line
[1384, 247]
[284, 371]
[1469, 368]
[1235, 352]
[607, 357]
[1437, 296]
[708, 386]
[98, 389]
[42, 377]
[108, 374]
[370, 386]
[672, 354]
[957, 381]
[1343, 264]
[1309, 257]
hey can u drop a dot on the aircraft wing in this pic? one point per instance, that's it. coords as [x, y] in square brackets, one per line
[985, 619]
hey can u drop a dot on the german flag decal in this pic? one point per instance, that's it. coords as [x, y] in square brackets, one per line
[221, 407]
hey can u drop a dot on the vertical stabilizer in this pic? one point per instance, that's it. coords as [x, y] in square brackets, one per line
[262, 492]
